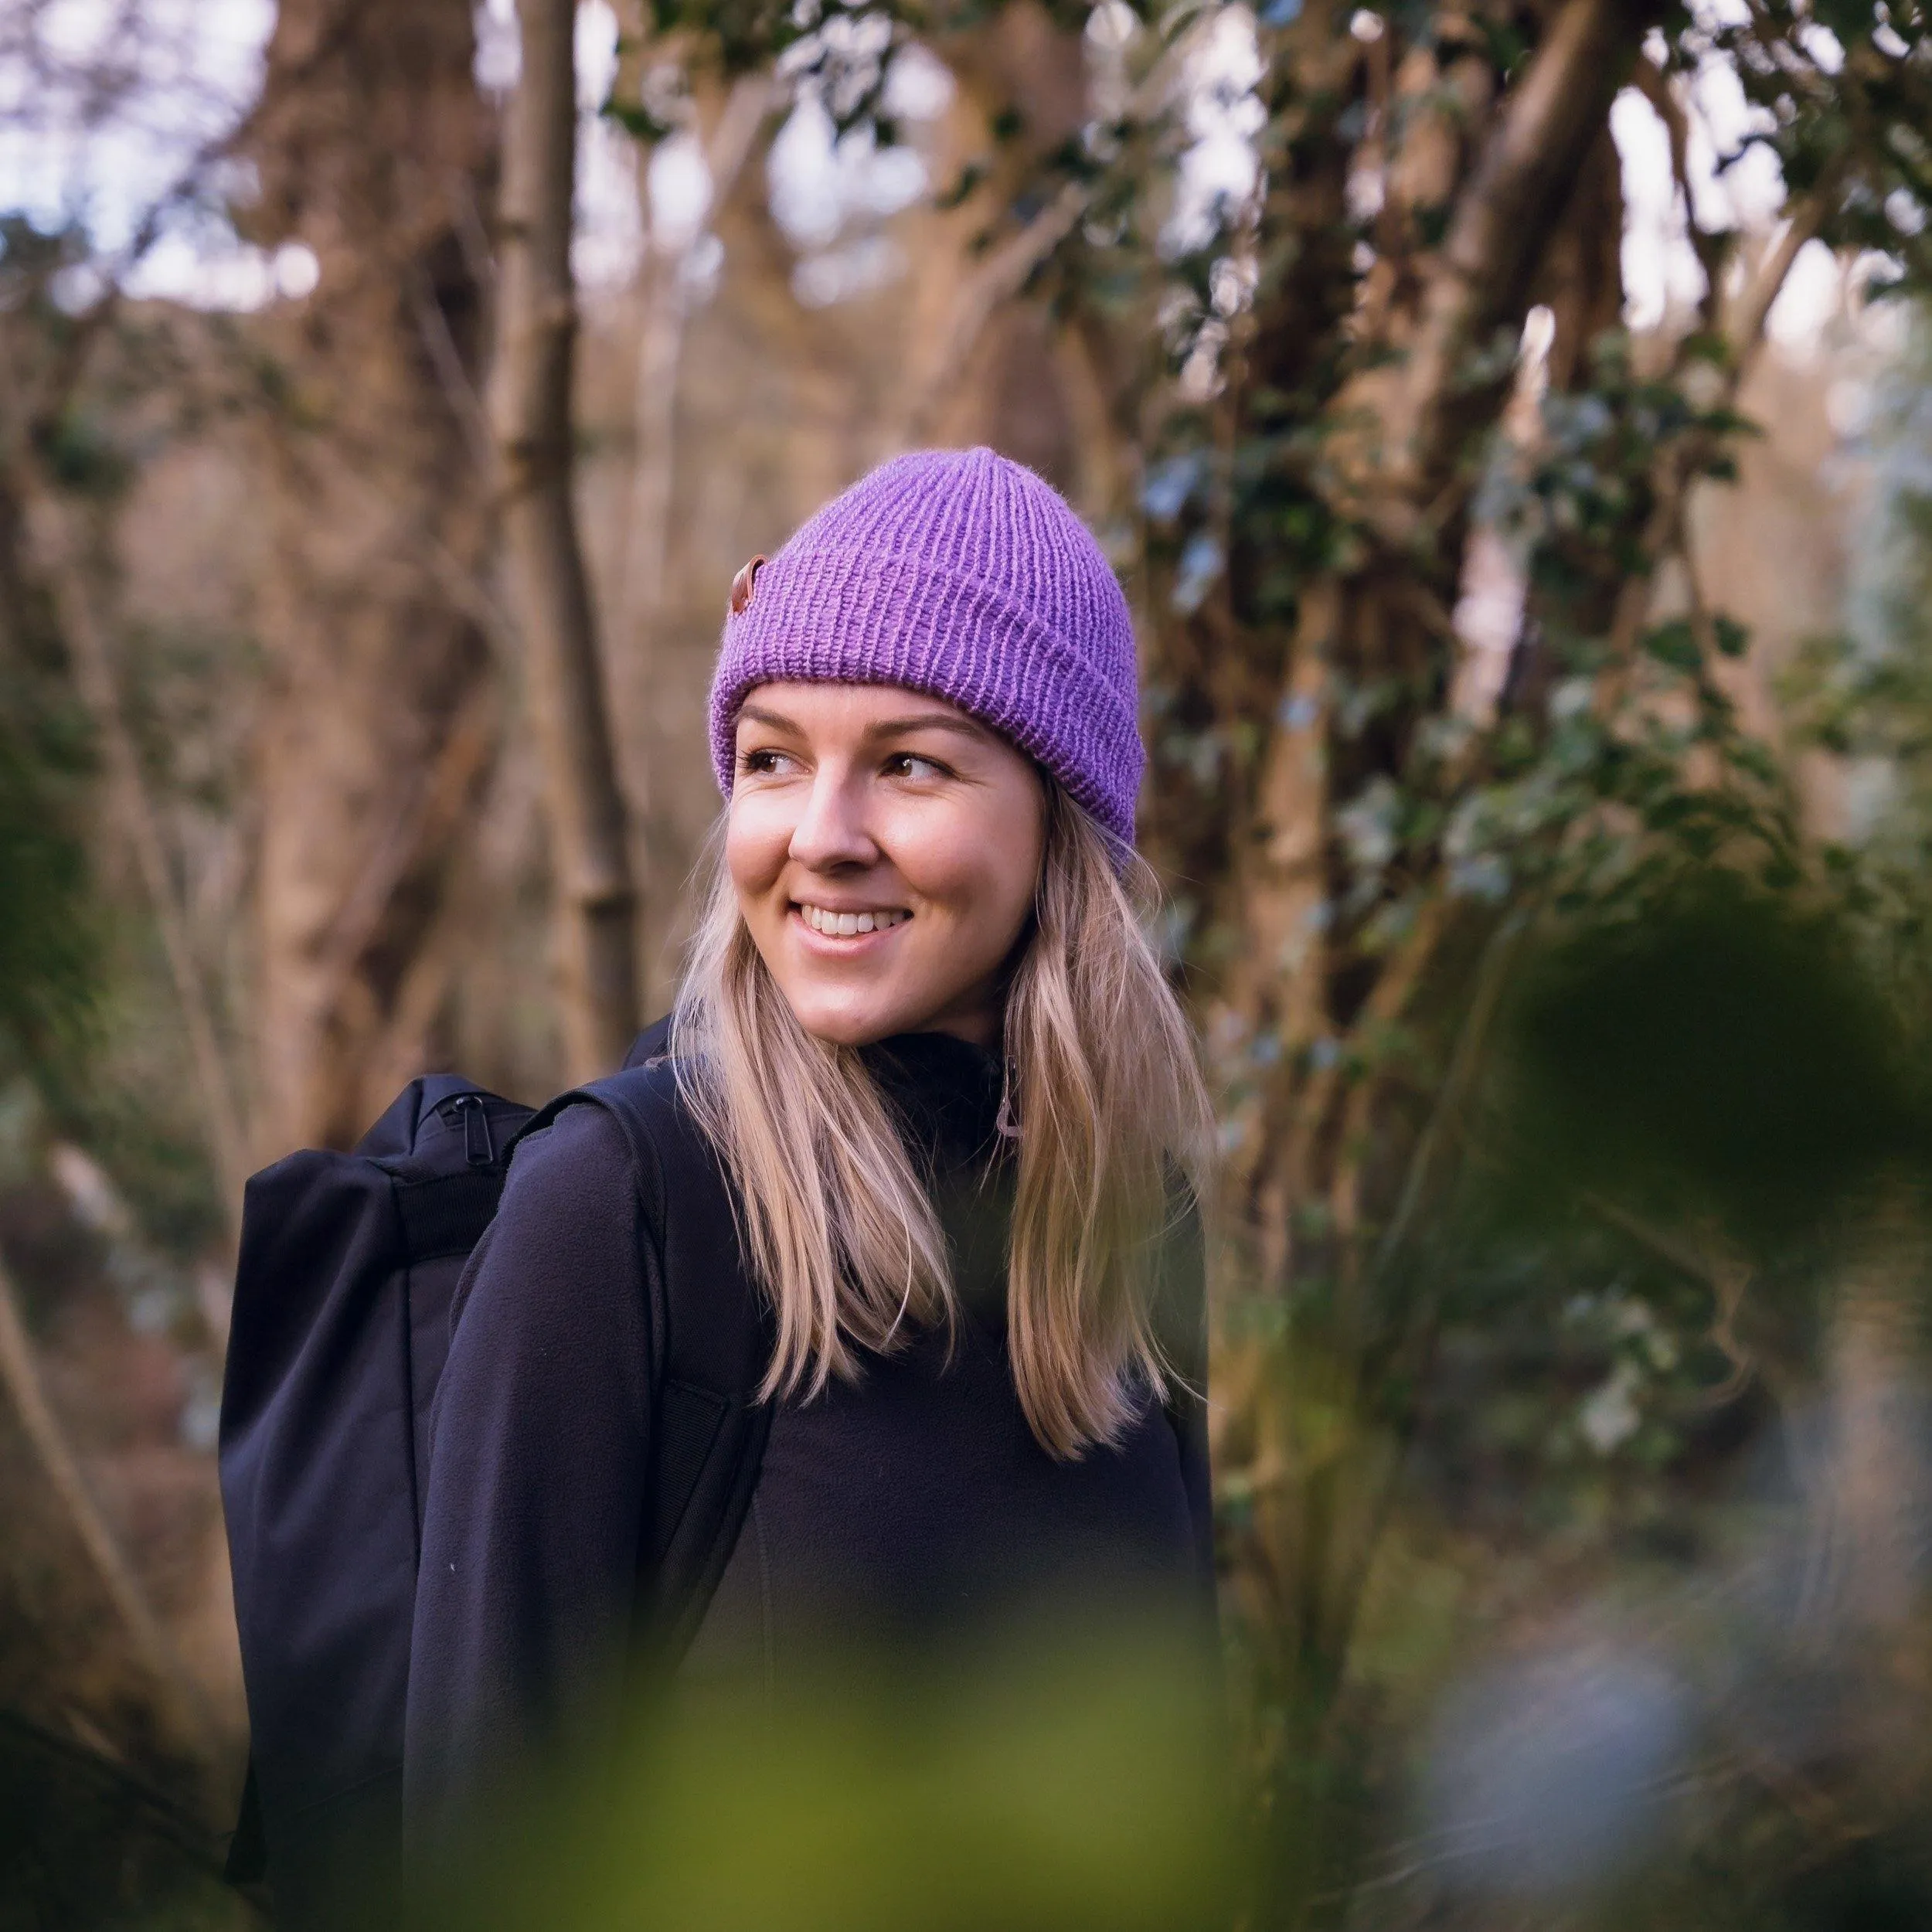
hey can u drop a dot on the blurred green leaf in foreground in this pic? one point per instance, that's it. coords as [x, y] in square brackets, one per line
[1029, 1786]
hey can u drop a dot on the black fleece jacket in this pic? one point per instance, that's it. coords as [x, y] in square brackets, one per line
[914, 1509]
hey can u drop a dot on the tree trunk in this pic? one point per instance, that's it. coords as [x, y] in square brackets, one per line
[371, 145]
[529, 407]
[980, 363]
[731, 124]
[1314, 959]
[1503, 221]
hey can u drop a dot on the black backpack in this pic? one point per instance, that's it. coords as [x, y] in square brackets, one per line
[342, 1316]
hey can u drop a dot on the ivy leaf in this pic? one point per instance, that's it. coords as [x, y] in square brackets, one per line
[1673, 643]
[638, 122]
[970, 174]
[1731, 637]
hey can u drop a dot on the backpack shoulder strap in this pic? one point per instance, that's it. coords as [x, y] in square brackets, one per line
[712, 1335]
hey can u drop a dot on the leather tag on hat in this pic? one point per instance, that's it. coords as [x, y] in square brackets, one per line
[742, 584]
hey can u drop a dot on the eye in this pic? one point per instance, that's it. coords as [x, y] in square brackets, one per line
[909, 764]
[763, 763]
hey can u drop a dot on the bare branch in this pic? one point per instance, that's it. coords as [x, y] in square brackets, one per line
[751, 98]
[1807, 217]
[1000, 277]
[94, 673]
[1387, 1002]
[468, 593]
[664, 298]
[1492, 976]
[1653, 83]
[180, 1703]
[440, 793]
[529, 404]
[1007, 269]
[1503, 217]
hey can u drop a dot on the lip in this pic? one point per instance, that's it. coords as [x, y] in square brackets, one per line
[840, 945]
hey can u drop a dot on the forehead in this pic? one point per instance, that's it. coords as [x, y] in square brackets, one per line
[852, 710]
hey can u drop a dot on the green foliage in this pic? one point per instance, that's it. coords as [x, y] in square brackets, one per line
[1018, 1786]
[48, 944]
[88, 1012]
[1715, 1055]
[1848, 97]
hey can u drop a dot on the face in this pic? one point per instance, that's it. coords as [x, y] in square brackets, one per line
[885, 848]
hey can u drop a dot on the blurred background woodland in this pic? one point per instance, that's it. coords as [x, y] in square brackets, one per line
[1512, 420]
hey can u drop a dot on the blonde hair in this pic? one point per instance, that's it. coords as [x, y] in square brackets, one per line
[1110, 1109]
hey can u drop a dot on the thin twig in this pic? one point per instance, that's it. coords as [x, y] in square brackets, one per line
[1384, 1007]
[468, 593]
[453, 380]
[1000, 277]
[1728, 1282]
[435, 797]
[1492, 975]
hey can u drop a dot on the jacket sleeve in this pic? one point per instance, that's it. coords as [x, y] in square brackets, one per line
[531, 1519]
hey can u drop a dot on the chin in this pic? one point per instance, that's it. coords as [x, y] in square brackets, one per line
[842, 1025]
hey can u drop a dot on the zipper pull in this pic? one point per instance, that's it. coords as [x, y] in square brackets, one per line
[477, 1149]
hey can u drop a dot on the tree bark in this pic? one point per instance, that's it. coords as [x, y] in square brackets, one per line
[1501, 226]
[1315, 960]
[731, 134]
[529, 408]
[980, 364]
[371, 146]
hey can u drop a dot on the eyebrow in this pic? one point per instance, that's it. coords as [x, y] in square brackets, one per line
[886, 728]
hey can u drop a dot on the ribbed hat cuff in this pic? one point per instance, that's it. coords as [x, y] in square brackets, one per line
[862, 616]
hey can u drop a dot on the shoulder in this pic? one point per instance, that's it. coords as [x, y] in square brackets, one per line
[647, 1100]
[638, 1123]
[606, 1121]
[713, 1320]
[573, 1173]
[569, 1147]
[560, 1273]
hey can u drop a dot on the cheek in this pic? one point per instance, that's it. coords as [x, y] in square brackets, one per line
[979, 869]
[756, 839]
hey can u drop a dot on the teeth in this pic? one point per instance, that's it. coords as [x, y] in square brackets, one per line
[848, 925]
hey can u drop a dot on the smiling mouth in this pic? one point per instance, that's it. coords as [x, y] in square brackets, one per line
[834, 925]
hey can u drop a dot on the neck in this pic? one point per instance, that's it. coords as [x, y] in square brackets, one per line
[978, 1016]
[979, 1030]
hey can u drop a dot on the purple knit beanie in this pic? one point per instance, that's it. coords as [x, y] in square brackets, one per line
[959, 573]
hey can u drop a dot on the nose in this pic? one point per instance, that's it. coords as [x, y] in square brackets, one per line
[831, 832]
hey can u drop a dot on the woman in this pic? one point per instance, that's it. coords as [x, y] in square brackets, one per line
[959, 1112]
